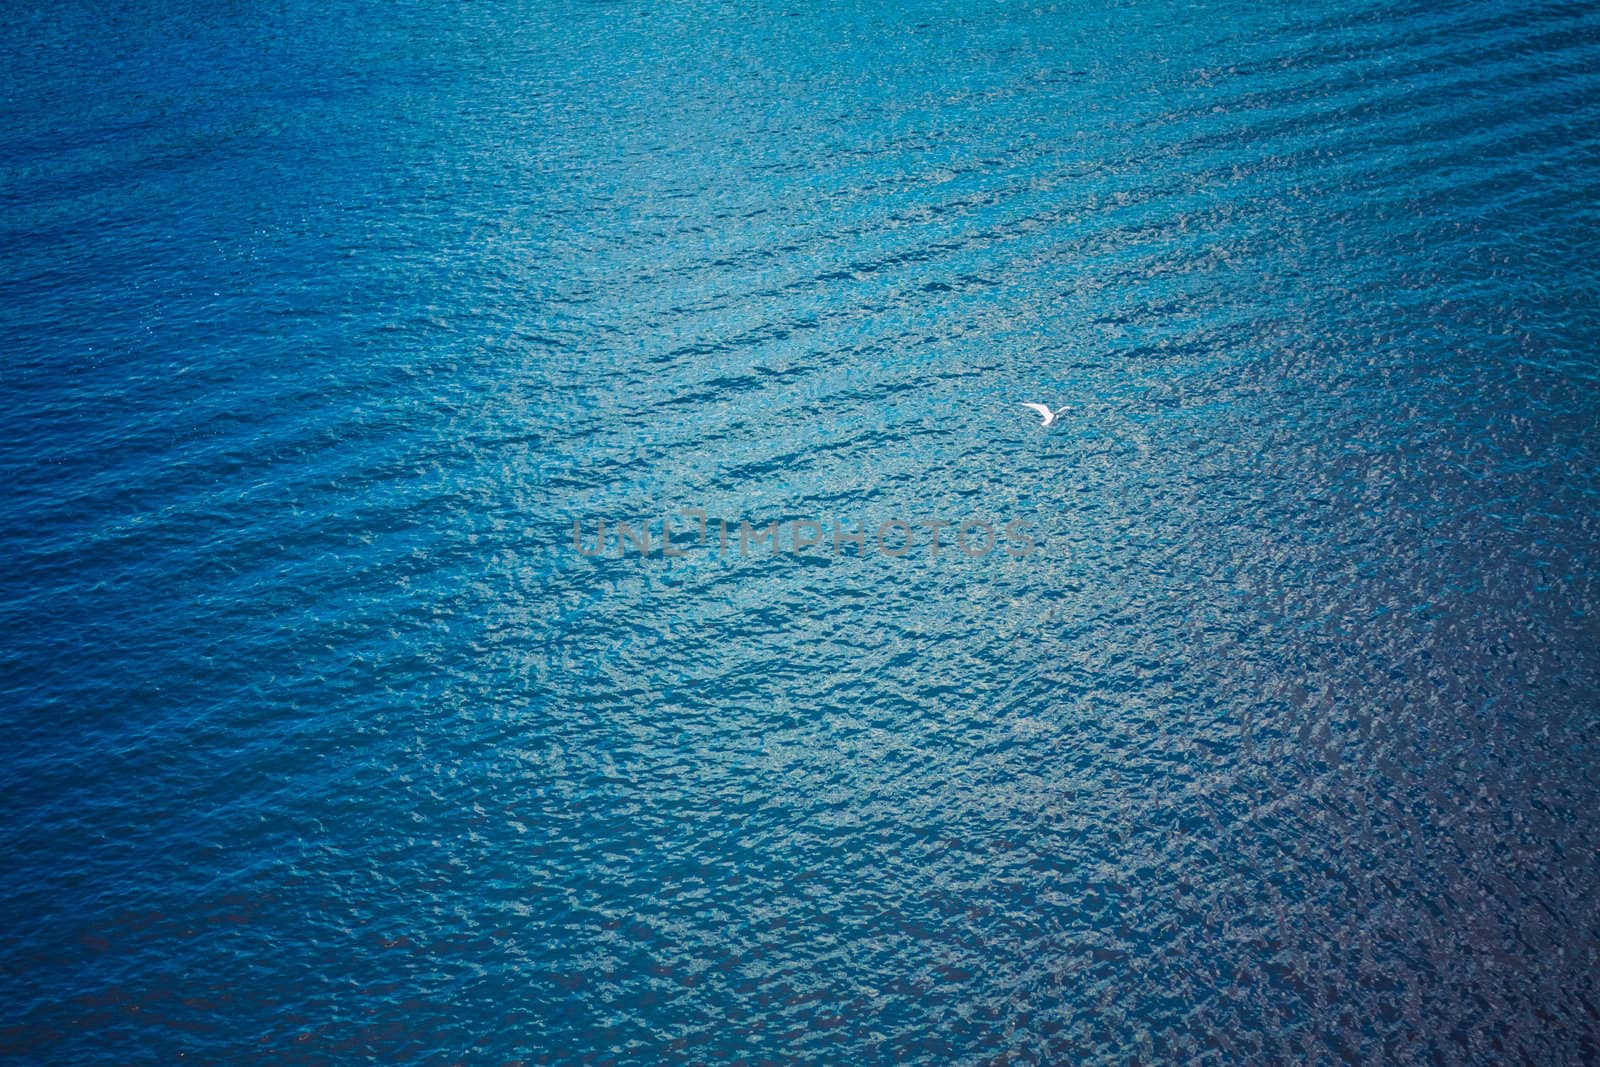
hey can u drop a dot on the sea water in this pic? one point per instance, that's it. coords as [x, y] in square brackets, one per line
[326, 328]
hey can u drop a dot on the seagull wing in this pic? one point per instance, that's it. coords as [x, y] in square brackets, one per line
[1062, 411]
[1044, 412]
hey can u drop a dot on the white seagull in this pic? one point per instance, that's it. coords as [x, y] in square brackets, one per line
[1049, 416]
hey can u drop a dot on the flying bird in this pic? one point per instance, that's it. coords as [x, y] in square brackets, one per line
[1049, 416]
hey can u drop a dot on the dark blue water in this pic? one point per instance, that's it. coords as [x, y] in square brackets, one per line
[323, 325]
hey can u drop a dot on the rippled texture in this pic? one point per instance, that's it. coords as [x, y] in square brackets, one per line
[323, 323]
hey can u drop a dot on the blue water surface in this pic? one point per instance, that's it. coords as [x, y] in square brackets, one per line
[324, 326]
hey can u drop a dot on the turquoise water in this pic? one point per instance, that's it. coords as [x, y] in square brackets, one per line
[326, 325]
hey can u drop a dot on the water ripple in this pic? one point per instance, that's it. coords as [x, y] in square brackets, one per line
[324, 331]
